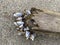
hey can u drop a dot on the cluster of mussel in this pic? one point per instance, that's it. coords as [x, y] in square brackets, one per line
[24, 24]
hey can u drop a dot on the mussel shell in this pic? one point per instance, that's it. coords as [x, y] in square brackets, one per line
[19, 18]
[27, 34]
[28, 12]
[18, 14]
[20, 22]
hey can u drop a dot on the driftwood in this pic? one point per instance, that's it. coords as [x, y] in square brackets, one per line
[49, 24]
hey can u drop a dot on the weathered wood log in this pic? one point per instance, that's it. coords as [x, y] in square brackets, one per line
[48, 20]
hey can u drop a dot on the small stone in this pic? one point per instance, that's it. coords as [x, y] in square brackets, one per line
[19, 33]
[17, 28]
